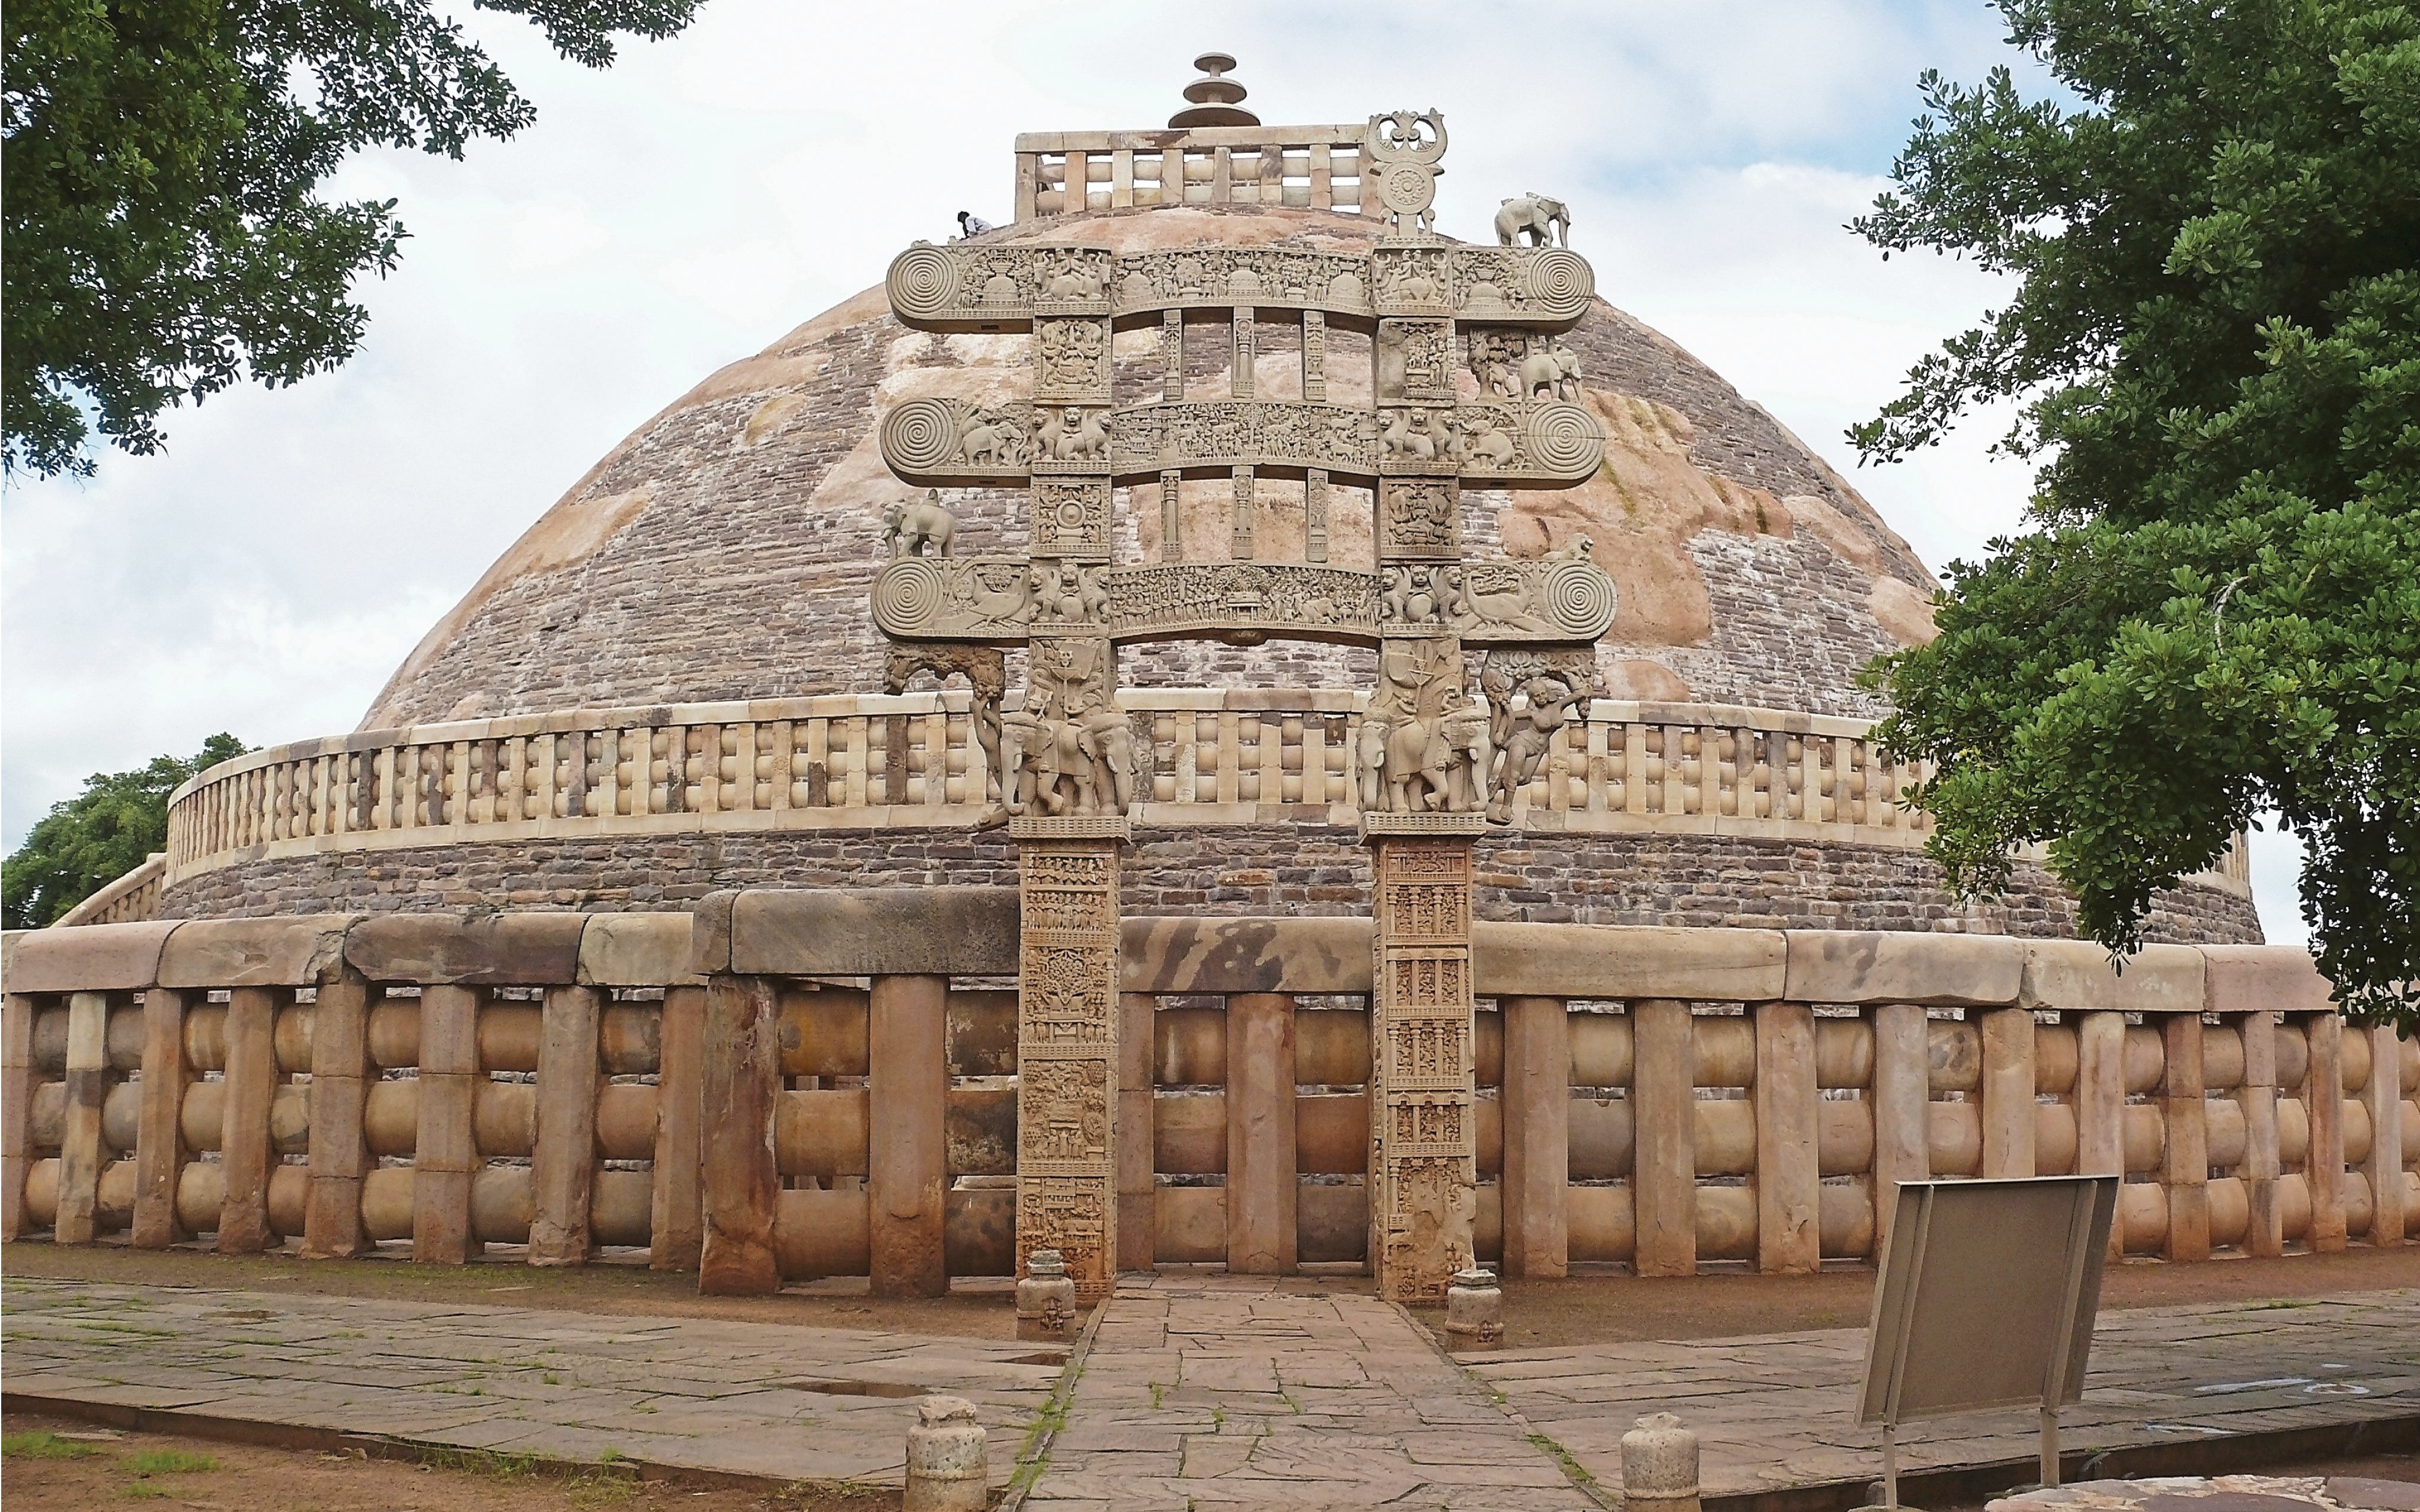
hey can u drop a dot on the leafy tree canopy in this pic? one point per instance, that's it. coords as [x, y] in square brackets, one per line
[159, 170]
[88, 841]
[2215, 341]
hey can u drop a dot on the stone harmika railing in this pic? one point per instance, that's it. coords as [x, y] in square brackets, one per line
[1659, 1098]
[908, 761]
[1305, 167]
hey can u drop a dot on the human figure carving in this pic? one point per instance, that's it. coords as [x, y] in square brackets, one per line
[1550, 705]
[1542, 220]
[908, 526]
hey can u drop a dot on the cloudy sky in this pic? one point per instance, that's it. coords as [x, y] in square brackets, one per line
[706, 195]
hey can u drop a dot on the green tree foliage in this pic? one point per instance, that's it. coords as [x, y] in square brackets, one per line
[2215, 338]
[94, 838]
[164, 238]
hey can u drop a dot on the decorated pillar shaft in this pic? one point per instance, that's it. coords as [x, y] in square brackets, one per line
[1067, 1049]
[1424, 1149]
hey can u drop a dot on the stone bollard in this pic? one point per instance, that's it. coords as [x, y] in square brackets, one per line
[945, 1459]
[1659, 1466]
[1046, 1299]
[1474, 1310]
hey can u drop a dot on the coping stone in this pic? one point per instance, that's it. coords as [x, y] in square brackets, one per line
[1593, 960]
[2240, 978]
[270, 952]
[2076, 974]
[637, 950]
[1312, 954]
[1903, 966]
[90, 957]
[9, 939]
[880, 931]
[469, 950]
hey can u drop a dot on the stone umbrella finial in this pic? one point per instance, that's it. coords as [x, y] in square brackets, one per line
[1216, 98]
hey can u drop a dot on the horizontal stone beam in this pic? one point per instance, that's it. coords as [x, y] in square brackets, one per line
[498, 950]
[2077, 974]
[1881, 966]
[935, 931]
[1304, 955]
[92, 958]
[265, 952]
[1587, 960]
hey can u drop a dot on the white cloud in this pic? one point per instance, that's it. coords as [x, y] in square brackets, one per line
[709, 193]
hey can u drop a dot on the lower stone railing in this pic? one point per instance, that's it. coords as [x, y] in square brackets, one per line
[1215, 756]
[129, 899]
[1663, 1099]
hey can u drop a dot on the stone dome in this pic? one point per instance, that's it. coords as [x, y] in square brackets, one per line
[724, 549]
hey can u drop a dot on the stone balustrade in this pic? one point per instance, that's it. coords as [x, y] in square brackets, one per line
[849, 762]
[1302, 167]
[1657, 1098]
[131, 897]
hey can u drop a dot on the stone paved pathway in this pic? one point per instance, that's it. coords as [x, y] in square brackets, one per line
[1776, 1411]
[1204, 1391]
[698, 1393]
[1218, 1392]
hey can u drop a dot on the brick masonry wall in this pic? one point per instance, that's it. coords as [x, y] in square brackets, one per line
[1683, 879]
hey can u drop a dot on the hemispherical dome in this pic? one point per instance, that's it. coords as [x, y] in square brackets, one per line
[725, 548]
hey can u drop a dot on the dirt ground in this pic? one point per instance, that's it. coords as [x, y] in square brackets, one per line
[1617, 1308]
[984, 1311]
[52, 1465]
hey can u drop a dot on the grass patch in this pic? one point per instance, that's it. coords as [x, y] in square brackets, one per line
[44, 1447]
[487, 1462]
[168, 1463]
[145, 1491]
[1577, 1473]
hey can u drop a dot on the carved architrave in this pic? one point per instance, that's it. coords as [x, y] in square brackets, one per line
[1005, 600]
[1005, 288]
[1066, 1188]
[1424, 1167]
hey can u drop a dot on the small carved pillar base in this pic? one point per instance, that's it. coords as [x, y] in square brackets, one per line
[1424, 1154]
[1067, 1050]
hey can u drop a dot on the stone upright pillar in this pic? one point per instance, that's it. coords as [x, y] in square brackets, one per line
[87, 1085]
[341, 1075]
[1537, 1136]
[1424, 1156]
[1067, 1044]
[908, 1088]
[740, 1081]
[159, 1153]
[2264, 1231]
[1261, 1181]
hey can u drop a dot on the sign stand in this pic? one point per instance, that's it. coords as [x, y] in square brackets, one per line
[1986, 1302]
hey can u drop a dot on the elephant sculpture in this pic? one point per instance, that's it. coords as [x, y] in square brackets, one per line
[1553, 370]
[1547, 222]
[907, 525]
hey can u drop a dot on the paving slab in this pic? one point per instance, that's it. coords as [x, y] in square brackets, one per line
[1778, 1409]
[697, 1394]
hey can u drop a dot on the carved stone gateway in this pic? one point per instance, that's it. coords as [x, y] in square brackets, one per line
[1433, 763]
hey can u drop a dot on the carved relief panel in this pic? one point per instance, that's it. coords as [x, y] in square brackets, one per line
[1067, 880]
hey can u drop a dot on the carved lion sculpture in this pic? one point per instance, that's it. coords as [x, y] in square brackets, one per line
[1544, 221]
[907, 527]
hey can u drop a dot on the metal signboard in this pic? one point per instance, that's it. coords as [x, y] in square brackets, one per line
[1986, 1300]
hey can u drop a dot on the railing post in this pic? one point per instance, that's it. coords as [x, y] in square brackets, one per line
[2385, 1165]
[445, 1155]
[1260, 1182]
[340, 1077]
[2185, 1172]
[243, 1130]
[1132, 1138]
[87, 1088]
[1537, 1103]
[16, 1111]
[677, 1230]
[2264, 1231]
[2008, 1092]
[2323, 1101]
[159, 1140]
[1663, 1177]
[1900, 1093]
[2101, 1103]
[907, 1090]
[563, 1165]
[742, 1080]
[1789, 1183]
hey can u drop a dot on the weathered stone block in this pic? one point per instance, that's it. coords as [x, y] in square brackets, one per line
[288, 952]
[1596, 961]
[938, 931]
[638, 950]
[1872, 966]
[93, 957]
[516, 949]
[1262, 955]
[2076, 974]
[2247, 979]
